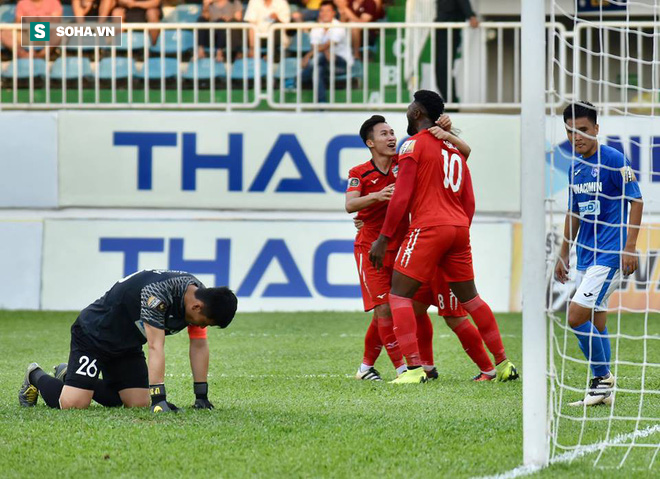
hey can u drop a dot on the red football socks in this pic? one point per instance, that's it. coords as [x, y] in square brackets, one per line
[473, 345]
[487, 325]
[425, 339]
[387, 337]
[372, 344]
[405, 328]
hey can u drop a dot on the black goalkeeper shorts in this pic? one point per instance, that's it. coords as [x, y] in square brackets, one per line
[119, 371]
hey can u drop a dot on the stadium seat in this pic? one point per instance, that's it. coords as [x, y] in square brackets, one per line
[121, 68]
[184, 14]
[305, 44]
[357, 71]
[171, 39]
[287, 69]
[137, 41]
[74, 65]
[169, 67]
[7, 13]
[23, 69]
[204, 70]
[244, 69]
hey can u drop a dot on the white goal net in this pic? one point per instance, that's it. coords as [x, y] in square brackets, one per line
[613, 61]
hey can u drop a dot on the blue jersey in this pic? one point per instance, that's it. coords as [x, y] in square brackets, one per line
[600, 188]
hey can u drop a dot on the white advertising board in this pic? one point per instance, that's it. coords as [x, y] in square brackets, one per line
[20, 263]
[28, 160]
[261, 161]
[271, 265]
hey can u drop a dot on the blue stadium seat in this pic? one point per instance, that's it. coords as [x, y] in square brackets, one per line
[7, 13]
[137, 41]
[121, 68]
[184, 14]
[74, 65]
[245, 69]
[287, 69]
[170, 42]
[23, 69]
[204, 70]
[169, 65]
[357, 71]
[305, 44]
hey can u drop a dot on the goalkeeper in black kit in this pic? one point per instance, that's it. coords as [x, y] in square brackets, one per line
[108, 336]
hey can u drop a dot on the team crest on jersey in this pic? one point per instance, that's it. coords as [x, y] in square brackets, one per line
[155, 303]
[407, 147]
[395, 170]
[353, 182]
[594, 171]
[628, 174]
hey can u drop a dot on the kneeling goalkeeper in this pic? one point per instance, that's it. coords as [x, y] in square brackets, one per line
[108, 337]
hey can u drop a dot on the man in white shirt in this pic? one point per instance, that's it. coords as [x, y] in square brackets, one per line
[262, 13]
[322, 38]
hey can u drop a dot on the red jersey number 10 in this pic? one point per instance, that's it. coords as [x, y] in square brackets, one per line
[453, 167]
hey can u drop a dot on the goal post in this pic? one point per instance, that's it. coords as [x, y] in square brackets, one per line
[532, 139]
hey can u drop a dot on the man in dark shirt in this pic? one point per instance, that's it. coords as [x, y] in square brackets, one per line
[450, 11]
[108, 336]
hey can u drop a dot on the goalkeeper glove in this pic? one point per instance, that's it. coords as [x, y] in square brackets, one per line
[201, 396]
[158, 399]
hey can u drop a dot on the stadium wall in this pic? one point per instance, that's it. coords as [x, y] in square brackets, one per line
[252, 200]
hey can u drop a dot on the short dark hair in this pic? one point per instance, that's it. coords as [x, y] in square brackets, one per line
[367, 128]
[219, 304]
[326, 3]
[581, 109]
[432, 103]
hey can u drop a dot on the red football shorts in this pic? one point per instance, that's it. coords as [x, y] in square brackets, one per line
[375, 285]
[444, 247]
[195, 332]
[439, 295]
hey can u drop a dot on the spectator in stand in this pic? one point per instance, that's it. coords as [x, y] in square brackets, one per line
[358, 11]
[92, 8]
[262, 13]
[31, 8]
[450, 11]
[330, 32]
[305, 10]
[221, 11]
[140, 11]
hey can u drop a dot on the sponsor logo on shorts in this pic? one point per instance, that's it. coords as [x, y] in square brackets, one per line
[588, 295]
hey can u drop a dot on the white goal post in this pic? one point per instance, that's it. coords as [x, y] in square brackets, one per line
[534, 361]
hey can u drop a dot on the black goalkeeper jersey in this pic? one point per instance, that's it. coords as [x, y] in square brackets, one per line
[115, 322]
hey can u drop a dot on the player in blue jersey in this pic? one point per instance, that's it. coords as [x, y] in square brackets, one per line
[602, 186]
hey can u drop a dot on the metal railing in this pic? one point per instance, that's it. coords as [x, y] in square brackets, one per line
[393, 60]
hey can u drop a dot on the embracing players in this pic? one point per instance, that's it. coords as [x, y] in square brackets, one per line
[108, 336]
[601, 185]
[430, 184]
[370, 187]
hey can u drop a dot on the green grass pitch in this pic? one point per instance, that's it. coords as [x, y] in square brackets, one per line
[288, 406]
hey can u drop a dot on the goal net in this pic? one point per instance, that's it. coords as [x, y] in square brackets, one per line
[613, 61]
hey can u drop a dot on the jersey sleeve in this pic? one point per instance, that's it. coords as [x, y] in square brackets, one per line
[408, 150]
[572, 198]
[467, 195]
[354, 181]
[624, 178]
[153, 305]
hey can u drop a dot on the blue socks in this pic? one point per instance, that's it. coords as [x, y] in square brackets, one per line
[591, 344]
[605, 340]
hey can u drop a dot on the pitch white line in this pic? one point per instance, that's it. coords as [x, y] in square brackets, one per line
[577, 453]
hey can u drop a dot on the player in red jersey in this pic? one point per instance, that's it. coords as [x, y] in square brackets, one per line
[369, 190]
[430, 184]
